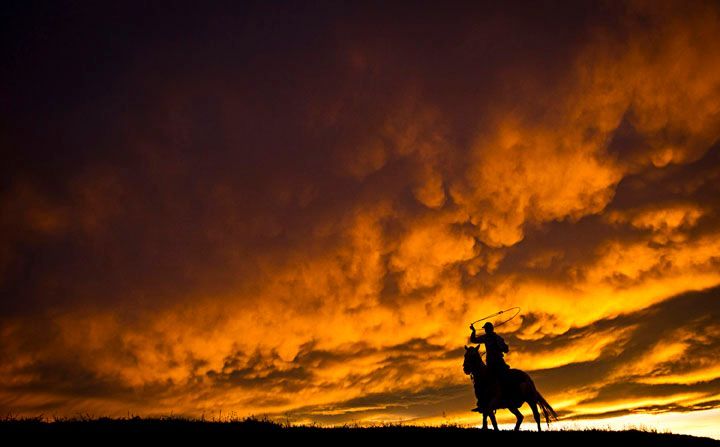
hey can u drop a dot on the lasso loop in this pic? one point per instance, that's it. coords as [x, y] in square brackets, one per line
[515, 314]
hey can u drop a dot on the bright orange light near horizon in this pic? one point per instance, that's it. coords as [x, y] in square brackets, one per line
[297, 213]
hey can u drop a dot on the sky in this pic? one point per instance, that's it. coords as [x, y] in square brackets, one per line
[295, 209]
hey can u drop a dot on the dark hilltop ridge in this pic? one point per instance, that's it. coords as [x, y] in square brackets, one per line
[145, 431]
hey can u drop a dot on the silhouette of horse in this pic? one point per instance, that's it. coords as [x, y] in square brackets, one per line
[517, 388]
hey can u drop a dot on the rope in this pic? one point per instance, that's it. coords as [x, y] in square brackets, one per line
[516, 309]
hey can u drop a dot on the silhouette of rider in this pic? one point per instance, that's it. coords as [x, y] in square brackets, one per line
[495, 347]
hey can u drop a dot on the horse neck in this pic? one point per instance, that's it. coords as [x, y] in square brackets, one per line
[478, 369]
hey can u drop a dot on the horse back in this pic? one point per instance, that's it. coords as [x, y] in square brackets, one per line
[519, 376]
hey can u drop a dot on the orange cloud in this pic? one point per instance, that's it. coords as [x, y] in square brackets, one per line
[312, 237]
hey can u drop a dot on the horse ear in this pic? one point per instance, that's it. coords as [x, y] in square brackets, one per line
[466, 348]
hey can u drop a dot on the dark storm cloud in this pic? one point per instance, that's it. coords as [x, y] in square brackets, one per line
[184, 130]
[307, 355]
[404, 406]
[623, 391]
[272, 205]
[259, 371]
[559, 250]
[691, 312]
[268, 370]
[186, 158]
[652, 409]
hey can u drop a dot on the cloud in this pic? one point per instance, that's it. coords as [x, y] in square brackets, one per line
[305, 219]
[665, 338]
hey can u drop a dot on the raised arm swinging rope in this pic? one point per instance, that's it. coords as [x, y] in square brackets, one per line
[516, 309]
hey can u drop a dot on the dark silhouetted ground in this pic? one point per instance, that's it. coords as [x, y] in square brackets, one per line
[174, 431]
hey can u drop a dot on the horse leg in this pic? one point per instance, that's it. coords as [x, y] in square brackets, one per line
[519, 417]
[492, 418]
[485, 416]
[536, 414]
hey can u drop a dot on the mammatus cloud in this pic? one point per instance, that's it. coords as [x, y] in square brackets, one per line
[305, 230]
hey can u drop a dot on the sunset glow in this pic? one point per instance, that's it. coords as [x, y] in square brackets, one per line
[297, 210]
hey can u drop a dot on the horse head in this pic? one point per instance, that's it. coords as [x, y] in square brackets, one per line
[473, 361]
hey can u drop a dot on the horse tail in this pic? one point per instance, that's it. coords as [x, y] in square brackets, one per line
[547, 410]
